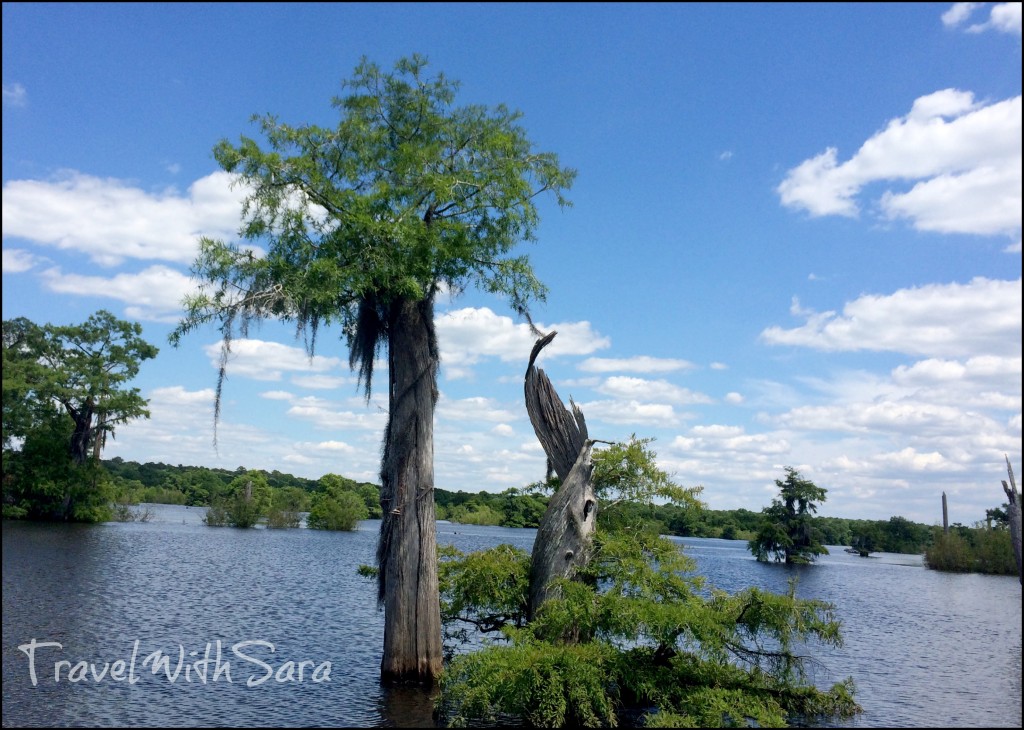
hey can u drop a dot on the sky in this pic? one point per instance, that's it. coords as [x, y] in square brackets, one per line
[795, 237]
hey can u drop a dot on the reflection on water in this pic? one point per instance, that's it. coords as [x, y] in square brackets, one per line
[926, 649]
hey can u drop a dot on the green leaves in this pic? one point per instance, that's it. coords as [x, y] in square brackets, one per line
[787, 531]
[66, 383]
[628, 474]
[407, 192]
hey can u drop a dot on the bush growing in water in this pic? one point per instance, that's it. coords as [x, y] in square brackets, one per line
[340, 511]
[972, 550]
[636, 635]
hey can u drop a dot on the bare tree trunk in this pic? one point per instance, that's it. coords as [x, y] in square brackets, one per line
[407, 551]
[1013, 516]
[945, 515]
[563, 539]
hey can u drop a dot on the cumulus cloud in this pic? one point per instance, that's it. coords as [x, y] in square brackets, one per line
[1004, 18]
[320, 382]
[963, 156]
[110, 220]
[638, 364]
[468, 410]
[729, 440]
[153, 294]
[958, 13]
[466, 336]
[262, 360]
[330, 415]
[630, 412]
[649, 390]
[938, 320]
[17, 260]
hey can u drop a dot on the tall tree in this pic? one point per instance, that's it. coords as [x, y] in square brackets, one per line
[360, 225]
[787, 531]
[74, 371]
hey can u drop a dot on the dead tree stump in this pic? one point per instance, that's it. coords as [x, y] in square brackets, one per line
[1013, 516]
[563, 539]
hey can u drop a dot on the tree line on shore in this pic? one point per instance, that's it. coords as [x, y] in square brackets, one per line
[151, 482]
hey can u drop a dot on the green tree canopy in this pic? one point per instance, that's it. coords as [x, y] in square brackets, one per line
[787, 531]
[80, 369]
[77, 373]
[359, 225]
[636, 635]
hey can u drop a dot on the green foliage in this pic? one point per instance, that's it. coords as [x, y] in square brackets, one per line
[337, 506]
[788, 531]
[484, 591]
[42, 482]
[967, 550]
[66, 381]
[628, 473]
[248, 501]
[637, 636]
[408, 192]
[542, 684]
[636, 633]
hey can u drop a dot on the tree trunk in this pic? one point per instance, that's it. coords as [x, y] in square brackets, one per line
[1013, 516]
[81, 436]
[563, 539]
[407, 550]
[945, 515]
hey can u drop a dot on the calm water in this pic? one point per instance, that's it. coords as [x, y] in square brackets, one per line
[926, 649]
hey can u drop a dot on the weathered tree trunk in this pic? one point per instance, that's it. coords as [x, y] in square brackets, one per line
[563, 539]
[407, 551]
[81, 436]
[945, 515]
[1013, 514]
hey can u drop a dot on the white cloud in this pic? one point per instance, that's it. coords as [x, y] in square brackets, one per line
[734, 398]
[17, 260]
[262, 360]
[957, 14]
[152, 294]
[469, 410]
[1004, 17]
[110, 220]
[328, 447]
[15, 95]
[730, 440]
[649, 390]
[327, 415]
[966, 157]
[630, 412]
[277, 395]
[320, 382]
[638, 364]
[938, 320]
[468, 335]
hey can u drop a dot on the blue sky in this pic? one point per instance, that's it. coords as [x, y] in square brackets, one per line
[795, 238]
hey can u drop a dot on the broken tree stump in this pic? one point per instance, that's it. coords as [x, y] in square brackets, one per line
[1013, 516]
[563, 539]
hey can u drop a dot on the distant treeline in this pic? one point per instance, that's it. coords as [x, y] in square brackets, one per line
[197, 485]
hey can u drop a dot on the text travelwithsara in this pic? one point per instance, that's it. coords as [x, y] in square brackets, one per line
[212, 664]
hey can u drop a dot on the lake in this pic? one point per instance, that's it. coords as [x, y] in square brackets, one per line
[926, 649]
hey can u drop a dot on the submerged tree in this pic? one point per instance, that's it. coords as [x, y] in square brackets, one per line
[787, 531]
[1013, 516]
[359, 226]
[68, 383]
[604, 619]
